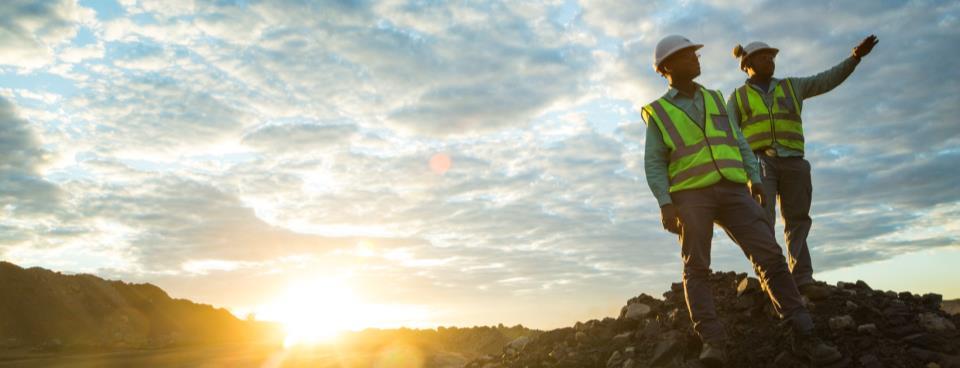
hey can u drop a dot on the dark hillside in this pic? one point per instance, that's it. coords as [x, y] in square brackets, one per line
[43, 308]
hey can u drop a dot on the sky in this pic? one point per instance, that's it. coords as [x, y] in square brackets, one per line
[444, 163]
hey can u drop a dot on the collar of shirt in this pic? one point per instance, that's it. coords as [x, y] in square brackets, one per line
[770, 87]
[692, 106]
[672, 93]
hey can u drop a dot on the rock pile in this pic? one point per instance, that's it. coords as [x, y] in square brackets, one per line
[872, 328]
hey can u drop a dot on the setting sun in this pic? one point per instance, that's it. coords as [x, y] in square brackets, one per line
[314, 311]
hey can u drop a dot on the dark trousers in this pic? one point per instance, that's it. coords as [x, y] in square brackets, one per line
[730, 205]
[787, 180]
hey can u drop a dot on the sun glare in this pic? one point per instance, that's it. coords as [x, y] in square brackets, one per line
[314, 311]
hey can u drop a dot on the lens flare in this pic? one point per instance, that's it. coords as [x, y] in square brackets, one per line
[440, 163]
[399, 355]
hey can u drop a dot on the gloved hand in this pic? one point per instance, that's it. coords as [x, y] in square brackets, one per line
[756, 191]
[670, 218]
[865, 46]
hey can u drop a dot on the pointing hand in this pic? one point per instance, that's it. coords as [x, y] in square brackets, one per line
[865, 46]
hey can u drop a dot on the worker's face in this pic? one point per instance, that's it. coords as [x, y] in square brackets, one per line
[682, 65]
[761, 64]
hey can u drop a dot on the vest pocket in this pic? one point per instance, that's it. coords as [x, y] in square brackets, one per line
[721, 122]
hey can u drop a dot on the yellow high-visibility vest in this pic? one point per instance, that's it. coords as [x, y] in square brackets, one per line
[762, 125]
[699, 157]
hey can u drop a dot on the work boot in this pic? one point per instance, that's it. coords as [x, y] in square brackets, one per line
[813, 291]
[810, 347]
[713, 355]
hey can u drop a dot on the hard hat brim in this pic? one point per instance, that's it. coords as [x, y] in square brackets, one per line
[769, 49]
[743, 60]
[695, 46]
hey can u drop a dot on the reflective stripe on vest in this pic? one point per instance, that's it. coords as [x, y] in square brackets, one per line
[763, 125]
[699, 156]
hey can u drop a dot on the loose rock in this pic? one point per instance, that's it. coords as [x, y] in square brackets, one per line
[871, 329]
[935, 323]
[748, 285]
[868, 328]
[636, 311]
[841, 323]
[665, 351]
[870, 361]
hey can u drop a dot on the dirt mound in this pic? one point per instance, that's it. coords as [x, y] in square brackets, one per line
[872, 328]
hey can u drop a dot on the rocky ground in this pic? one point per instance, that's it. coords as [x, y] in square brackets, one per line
[872, 328]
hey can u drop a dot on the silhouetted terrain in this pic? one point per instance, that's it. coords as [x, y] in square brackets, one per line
[50, 319]
[47, 310]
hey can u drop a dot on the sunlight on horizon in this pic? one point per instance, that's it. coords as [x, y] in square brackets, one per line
[317, 310]
[313, 311]
[912, 272]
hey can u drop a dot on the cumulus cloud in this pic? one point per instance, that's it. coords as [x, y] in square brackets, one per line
[299, 136]
[78, 54]
[626, 20]
[30, 30]
[156, 115]
[23, 191]
[435, 69]
[176, 220]
[566, 204]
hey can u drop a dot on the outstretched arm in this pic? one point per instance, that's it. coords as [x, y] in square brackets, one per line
[826, 81]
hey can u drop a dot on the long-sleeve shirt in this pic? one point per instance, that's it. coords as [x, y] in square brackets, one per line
[657, 155]
[805, 87]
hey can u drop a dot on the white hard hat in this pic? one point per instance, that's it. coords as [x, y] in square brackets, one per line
[670, 45]
[752, 48]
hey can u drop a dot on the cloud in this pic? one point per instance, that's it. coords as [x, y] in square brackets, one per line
[565, 204]
[174, 220]
[78, 54]
[409, 63]
[150, 114]
[300, 136]
[143, 56]
[29, 30]
[23, 191]
[624, 19]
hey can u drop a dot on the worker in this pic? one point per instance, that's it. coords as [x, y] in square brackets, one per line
[698, 167]
[767, 111]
